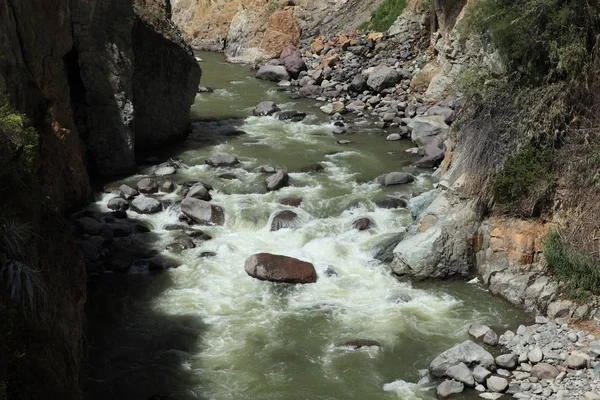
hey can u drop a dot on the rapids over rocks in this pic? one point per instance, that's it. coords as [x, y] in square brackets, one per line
[207, 330]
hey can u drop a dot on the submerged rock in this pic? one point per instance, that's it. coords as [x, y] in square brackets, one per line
[199, 191]
[359, 343]
[291, 115]
[313, 168]
[280, 269]
[202, 212]
[362, 224]
[278, 180]
[291, 201]
[265, 108]
[284, 220]
[219, 159]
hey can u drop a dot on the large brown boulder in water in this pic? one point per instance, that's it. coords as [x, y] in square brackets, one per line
[280, 269]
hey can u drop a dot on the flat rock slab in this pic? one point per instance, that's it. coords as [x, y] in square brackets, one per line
[280, 269]
[202, 212]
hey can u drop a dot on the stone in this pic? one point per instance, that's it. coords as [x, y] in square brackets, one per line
[490, 338]
[313, 168]
[291, 201]
[397, 178]
[393, 137]
[445, 112]
[128, 192]
[202, 212]
[480, 374]
[461, 373]
[544, 371]
[382, 78]
[310, 91]
[145, 205]
[293, 64]
[449, 388]
[219, 159]
[591, 396]
[265, 108]
[595, 348]
[284, 220]
[277, 181]
[358, 84]
[359, 343]
[536, 355]
[496, 384]
[362, 224]
[199, 191]
[280, 269]
[147, 186]
[478, 331]
[391, 203]
[507, 360]
[560, 309]
[118, 204]
[490, 396]
[273, 73]
[467, 352]
[428, 128]
[575, 361]
[291, 115]
[265, 169]
[165, 171]
[167, 187]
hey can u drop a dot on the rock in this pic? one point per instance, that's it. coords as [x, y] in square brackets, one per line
[293, 65]
[199, 191]
[343, 142]
[595, 348]
[544, 371]
[356, 106]
[448, 388]
[490, 396]
[291, 115]
[392, 203]
[167, 187]
[362, 224]
[273, 73]
[384, 250]
[393, 137]
[478, 331]
[591, 396]
[164, 171]
[428, 128]
[284, 220]
[265, 108]
[147, 186]
[228, 176]
[433, 155]
[507, 360]
[560, 309]
[359, 343]
[128, 192]
[358, 84]
[496, 384]
[207, 254]
[467, 352]
[218, 159]
[397, 178]
[490, 338]
[461, 373]
[575, 361]
[202, 212]
[277, 181]
[480, 374]
[313, 168]
[535, 355]
[310, 91]
[265, 169]
[445, 112]
[118, 204]
[280, 269]
[382, 78]
[291, 201]
[146, 205]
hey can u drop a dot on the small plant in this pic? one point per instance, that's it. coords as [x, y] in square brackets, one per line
[580, 273]
[385, 15]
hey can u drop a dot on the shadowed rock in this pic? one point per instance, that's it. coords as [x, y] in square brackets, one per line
[280, 269]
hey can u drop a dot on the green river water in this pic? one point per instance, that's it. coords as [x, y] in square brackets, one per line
[206, 330]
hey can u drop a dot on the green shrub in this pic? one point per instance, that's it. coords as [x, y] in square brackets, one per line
[525, 176]
[540, 39]
[18, 142]
[385, 15]
[580, 273]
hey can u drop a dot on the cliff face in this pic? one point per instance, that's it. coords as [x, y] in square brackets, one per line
[74, 69]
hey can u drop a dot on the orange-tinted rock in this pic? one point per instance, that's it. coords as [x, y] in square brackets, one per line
[317, 46]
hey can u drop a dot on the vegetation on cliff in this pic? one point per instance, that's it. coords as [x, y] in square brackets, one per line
[384, 16]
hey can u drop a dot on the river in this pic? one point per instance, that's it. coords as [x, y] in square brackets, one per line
[206, 330]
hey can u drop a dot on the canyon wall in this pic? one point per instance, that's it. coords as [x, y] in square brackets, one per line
[94, 78]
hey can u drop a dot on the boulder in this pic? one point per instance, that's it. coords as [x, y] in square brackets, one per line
[265, 169]
[397, 178]
[277, 181]
[466, 352]
[433, 156]
[310, 91]
[289, 50]
[218, 159]
[508, 361]
[202, 212]
[280, 269]
[446, 112]
[128, 192]
[358, 84]
[449, 388]
[167, 187]
[166, 170]
[291, 201]
[536, 355]
[490, 338]
[273, 73]
[428, 128]
[576, 361]
[461, 373]
[199, 191]
[294, 65]
[265, 108]
[291, 115]
[146, 205]
[382, 78]
[544, 371]
[284, 220]
[311, 169]
[478, 331]
[391, 203]
[496, 384]
[118, 204]
[362, 224]
[393, 137]
[147, 186]
[481, 374]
